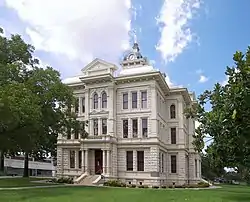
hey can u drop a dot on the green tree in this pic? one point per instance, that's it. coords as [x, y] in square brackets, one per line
[228, 121]
[210, 168]
[32, 103]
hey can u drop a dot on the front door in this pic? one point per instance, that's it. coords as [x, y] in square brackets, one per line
[98, 161]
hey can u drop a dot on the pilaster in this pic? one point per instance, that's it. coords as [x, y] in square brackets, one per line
[103, 161]
[108, 162]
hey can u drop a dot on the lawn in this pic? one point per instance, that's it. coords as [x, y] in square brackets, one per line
[97, 194]
[20, 182]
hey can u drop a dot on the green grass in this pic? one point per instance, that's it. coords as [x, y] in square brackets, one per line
[98, 194]
[20, 182]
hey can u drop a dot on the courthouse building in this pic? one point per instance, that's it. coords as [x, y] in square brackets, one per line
[137, 131]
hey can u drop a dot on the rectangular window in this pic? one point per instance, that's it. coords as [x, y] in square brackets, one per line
[95, 126]
[104, 126]
[135, 127]
[173, 164]
[125, 128]
[144, 127]
[83, 104]
[68, 133]
[80, 159]
[144, 99]
[77, 106]
[134, 100]
[196, 170]
[129, 160]
[140, 160]
[173, 135]
[125, 101]
[72, 159]
[76, 130]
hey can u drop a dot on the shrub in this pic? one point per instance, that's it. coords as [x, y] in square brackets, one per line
[65, 180]
[114, 183]
[141, 186]
[179, 186]
[145, 186]
[163, 187]
[155, 187]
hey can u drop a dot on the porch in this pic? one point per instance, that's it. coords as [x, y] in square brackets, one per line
[90, 161]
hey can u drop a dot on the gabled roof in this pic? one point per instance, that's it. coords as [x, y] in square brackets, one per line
[97, 61]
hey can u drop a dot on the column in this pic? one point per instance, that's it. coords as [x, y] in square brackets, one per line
[86, 161]
[90, 126]
[103, 161]
[76, 159]
[99, 126]
[80, 106]
[83, 161]
[111, 108]
[139, 128]
[130, 129]
[87, 109]
[108, 162]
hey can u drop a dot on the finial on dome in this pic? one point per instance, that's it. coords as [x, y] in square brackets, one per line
[136, 47]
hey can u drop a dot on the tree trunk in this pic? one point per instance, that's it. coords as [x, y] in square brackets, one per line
[2, 161]
[26, 165]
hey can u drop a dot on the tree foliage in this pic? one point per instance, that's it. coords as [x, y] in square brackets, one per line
[32, 102]
[228, 121]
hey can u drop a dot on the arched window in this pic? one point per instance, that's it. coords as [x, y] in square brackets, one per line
[95, 101]
[104, 100]
[172, 112]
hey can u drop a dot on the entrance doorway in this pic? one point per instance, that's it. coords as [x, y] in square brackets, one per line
[98, 162]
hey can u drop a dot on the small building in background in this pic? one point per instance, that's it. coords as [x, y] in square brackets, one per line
[42, 168]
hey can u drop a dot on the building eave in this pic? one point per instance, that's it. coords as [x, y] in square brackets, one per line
[182, 91]
[97, 78]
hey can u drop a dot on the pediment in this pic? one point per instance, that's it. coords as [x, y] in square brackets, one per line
[99, 67]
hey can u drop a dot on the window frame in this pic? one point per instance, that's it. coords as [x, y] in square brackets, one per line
[144, 100]
[95, 101]
[142, 127]
[129, 161]
[72, 160]
[95, 127]
[125, 132]
[134, 102]
[124, 101]
[173, 135]
[173, 164]
[135, 131]
[83, 104]
[140, 162]
[172, 109]
[104, 128]
[104, 100]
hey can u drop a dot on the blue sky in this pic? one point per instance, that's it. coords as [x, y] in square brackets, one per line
[69, 35]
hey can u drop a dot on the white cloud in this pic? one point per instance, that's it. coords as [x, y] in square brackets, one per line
[79, 30]
[203, 79]
[175, 32]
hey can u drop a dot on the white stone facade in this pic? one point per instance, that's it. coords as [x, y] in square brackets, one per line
[132, 136]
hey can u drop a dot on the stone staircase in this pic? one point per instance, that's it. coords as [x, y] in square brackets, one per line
[88, 180]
